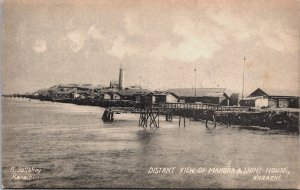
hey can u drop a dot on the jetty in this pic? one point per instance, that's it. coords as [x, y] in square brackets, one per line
[211, 114]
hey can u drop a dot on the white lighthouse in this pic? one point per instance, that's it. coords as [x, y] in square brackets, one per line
[121, 78]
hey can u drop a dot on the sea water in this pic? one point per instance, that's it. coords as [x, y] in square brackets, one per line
[56, 145]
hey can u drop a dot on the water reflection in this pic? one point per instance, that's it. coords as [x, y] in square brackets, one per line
[145, 136]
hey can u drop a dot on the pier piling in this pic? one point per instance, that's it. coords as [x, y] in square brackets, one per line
[179, 120]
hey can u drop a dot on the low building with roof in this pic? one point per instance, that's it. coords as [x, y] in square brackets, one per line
[221, 96]
[132, 94]
[271, 98]
[109, 96]
[164, 97]
[69, 93]
[156, 97]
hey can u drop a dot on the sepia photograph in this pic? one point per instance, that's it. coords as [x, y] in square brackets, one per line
[130, 94]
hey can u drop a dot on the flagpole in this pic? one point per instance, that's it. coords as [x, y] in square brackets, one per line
[243, 78]
[195, 85]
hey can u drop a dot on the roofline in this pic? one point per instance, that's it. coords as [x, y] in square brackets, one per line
[274, 96]
[262, 91]
[197, 88]
[270, 95]
[255, 91]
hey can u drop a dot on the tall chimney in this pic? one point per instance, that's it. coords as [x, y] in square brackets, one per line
[121, 78]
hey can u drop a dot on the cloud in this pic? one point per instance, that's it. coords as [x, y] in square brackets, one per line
[233, 24]
[77, 40]
[116, 43]
[95, 33]
[186, 51]
[274, 37]
[120, 48]
[195, 42]
[270, 33]
[40, 46]
[131, 25]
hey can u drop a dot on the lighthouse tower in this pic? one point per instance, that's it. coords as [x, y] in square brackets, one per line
[121, 78]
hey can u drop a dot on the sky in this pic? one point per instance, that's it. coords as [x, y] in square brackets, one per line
[159, 43]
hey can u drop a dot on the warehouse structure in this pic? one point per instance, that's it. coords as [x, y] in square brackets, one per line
[221, 96]
[271, 98]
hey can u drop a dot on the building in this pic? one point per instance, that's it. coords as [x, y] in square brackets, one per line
[221, 96]
[105, 96]
[164, 97]
[155, 96]
[114, 84]
[69, 93]
[132, 94]
[271, 98]
[109, 94]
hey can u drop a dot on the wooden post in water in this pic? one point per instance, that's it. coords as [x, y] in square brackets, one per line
[140, 119]
[179, 120]
[158, 119]
[194, 115]
[112, 117]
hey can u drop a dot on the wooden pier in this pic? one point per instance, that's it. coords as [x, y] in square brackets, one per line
[211, 114]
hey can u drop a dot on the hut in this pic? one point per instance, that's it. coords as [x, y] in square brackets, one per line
[35, 95]
[156, 97]
[164, 97]
[109, 94]
[105, 96]
[115, 96]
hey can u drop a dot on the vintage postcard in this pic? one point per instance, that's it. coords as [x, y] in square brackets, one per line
[150, 94]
